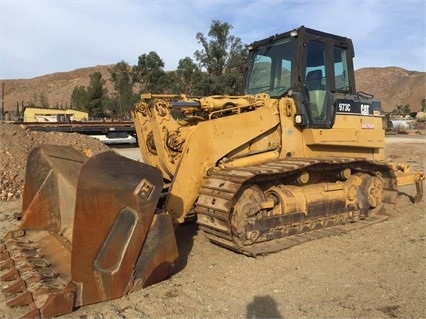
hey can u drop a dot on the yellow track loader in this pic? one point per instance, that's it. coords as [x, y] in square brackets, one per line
[298, 156]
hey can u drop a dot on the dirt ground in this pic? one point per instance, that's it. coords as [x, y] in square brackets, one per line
[373, 272]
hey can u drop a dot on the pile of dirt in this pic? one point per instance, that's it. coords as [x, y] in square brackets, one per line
[16, 142]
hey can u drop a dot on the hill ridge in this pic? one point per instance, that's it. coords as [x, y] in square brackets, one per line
[392, 85]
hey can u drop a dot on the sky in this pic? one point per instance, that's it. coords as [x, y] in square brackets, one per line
[39, 37]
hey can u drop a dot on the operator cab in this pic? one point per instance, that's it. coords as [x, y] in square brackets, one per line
[313, 67]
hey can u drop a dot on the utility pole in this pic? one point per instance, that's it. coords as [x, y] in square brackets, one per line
[2, 103]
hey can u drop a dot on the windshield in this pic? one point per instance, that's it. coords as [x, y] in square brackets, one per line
[270, 68]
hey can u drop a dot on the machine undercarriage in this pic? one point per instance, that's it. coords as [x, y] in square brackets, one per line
[258, 209]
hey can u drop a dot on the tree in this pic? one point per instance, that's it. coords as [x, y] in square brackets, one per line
[222, 56]
[91, 99]
[121, 78]
[39, 100]
[186, 78]
[401, 109]
[96, 94]
[149, 73]
[79, 98]
[43, 100]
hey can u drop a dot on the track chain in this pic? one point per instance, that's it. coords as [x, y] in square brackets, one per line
[218, 192]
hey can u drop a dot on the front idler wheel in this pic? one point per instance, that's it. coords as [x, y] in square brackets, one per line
[246, 209]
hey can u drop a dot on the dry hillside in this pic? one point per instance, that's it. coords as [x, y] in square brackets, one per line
[392, 85]
[57, 87]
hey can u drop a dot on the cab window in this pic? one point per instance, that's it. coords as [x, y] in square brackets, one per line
[271, 68]
[341, 79]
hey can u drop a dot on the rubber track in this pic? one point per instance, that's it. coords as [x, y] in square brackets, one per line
[216, 198]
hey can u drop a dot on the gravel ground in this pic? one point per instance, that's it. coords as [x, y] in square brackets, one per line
[373, 272]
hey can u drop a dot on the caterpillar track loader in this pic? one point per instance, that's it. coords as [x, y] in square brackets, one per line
[298, 156]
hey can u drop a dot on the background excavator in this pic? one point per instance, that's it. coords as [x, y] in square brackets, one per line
[298, 156]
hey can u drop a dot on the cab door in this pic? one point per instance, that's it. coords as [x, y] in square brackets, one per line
[327, 73]
[318, 91]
